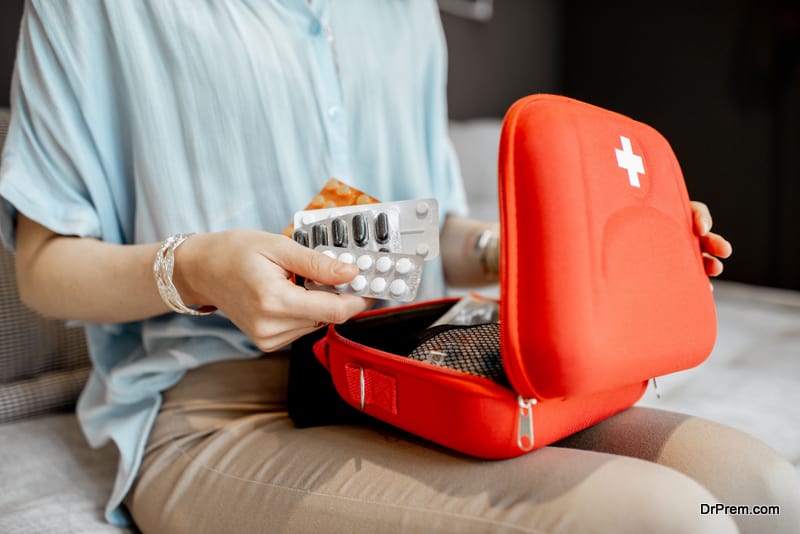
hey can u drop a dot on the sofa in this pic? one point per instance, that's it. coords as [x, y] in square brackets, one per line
[50, 480]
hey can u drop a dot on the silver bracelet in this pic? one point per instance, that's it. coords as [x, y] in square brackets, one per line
[487, 249]
[163, 268]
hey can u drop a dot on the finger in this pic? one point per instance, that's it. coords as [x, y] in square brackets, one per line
[321, 306]
[273, 327]
[274, 343]
[371, 302]
[712, 265]
[716, 245]
[701, 217]
[310, 264]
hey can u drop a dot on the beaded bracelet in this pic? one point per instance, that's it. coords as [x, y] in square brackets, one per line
[163, 268]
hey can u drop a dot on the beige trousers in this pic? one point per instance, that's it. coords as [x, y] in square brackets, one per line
[224, 457]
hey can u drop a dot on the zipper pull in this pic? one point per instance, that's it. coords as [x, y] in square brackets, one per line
[525, 423]
[655, 388]
[362, 387]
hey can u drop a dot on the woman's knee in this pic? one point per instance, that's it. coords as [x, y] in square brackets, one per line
[760, 487]
[767, 496]
[630, 495]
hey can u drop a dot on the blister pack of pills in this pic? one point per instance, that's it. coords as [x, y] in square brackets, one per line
[471, 310]
[382, 275]
[407, 227]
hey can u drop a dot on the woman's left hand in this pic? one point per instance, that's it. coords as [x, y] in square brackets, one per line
[713, 246]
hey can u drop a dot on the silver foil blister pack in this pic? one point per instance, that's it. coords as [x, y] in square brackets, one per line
[382, 275]
[406, 226]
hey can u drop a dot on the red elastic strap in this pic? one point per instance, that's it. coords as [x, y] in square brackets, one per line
[369, 388]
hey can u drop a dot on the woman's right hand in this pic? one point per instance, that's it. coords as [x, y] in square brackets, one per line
[247, 275]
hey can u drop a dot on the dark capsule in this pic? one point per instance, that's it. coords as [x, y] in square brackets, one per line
[320, 234]
[301, 236]
[360, 230]
[339, 233]
[382, 228]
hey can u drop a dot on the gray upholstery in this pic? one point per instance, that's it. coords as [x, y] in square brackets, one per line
[50, 480]
[43, 363]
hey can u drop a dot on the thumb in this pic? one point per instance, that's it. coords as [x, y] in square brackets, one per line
[314, 265]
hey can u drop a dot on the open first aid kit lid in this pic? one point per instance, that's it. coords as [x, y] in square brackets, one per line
[602, 277]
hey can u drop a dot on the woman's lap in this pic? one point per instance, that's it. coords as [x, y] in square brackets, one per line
[234, 462]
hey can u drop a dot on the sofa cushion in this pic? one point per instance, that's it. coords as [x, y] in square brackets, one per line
[53, 482]
[43, 363]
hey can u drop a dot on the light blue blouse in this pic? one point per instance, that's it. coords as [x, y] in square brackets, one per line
[136, 120]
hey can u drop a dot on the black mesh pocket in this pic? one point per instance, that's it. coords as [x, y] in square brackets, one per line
[469, 349]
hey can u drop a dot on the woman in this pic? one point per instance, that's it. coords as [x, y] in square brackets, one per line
[133, 122]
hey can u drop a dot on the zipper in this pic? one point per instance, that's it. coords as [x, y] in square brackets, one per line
[655, 388]
[525, 438]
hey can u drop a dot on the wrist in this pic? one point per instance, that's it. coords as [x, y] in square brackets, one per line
[487, 252]
[186, 272]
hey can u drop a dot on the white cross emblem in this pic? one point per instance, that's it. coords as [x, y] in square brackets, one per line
[629, 161]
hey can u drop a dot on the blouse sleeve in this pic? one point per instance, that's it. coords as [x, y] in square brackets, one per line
[51, 169]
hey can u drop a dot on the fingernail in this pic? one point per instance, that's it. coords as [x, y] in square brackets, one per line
[706, 226]
[344, 268]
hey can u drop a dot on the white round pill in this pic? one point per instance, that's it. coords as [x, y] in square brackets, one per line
[378, 285]
[423, 249]
[359, 283]
[364, 262]
[404, 265]
[383, 264]
[398, 288]
[329, 253]
[346, 257]
[422, 209]
[341, 287]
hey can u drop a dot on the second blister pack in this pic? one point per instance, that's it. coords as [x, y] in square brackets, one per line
[407, 227]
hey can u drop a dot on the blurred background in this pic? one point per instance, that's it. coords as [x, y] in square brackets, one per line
[720, 79]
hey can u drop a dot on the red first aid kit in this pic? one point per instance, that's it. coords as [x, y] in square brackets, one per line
[602, 288]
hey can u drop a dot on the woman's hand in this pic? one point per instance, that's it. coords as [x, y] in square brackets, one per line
[247, 275]
[713, 246]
